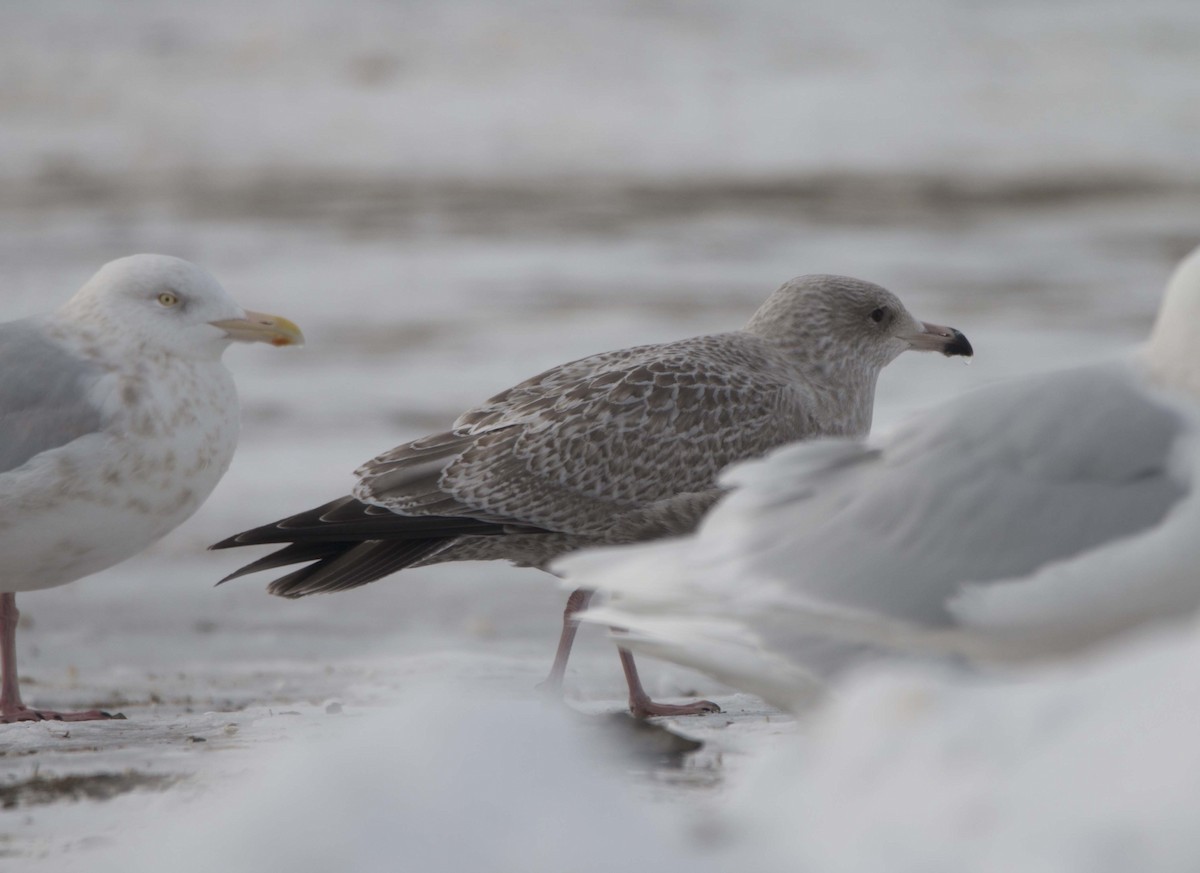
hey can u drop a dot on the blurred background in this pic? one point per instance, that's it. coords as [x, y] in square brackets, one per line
[452, 196]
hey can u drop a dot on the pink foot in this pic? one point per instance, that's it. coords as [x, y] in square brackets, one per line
[642, 706]
[11, 707]
[24, 713]
[649, 709]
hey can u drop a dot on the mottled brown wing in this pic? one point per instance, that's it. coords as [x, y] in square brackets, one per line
[572, 448]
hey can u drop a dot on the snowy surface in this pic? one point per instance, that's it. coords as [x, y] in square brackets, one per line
[451, 197]
[1086, 767]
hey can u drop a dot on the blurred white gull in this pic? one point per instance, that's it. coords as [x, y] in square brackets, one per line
[117, 419]
[619, 447]
[1095, 767]
[1024, 519]
[1091, 765]
[448, 781]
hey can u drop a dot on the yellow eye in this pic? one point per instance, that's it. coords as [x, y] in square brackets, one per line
[168, 299]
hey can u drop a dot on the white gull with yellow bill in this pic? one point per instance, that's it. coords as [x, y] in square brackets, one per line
[117, 420]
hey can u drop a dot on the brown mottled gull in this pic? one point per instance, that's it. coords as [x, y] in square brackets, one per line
[117, 419]
[619, 447]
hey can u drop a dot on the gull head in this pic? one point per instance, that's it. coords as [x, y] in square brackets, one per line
[836, 317]
[1173, 352]
[173, 306]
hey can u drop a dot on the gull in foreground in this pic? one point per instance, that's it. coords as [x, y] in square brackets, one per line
[117, 419]
[620, 447]
[1026, 519]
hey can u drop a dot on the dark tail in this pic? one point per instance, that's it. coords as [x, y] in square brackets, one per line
[347, 543]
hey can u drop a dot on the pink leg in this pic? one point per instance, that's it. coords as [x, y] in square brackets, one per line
[11, 707]
[577, 602]
[642, 706]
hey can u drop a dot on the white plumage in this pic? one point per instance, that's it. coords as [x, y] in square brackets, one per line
[117, 420]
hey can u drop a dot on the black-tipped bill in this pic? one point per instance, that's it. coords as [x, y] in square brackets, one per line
[958, 345]
[939, 338]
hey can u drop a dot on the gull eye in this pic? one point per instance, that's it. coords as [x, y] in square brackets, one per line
[878, 315]
[168, 299]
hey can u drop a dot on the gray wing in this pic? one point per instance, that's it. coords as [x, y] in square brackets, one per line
[608, 435]
[993, 486]
[825, 552]
[43, 395]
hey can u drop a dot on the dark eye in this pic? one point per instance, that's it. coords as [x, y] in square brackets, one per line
[879, 315]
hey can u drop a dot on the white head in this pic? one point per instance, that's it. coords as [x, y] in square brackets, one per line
[1173, 351]
[174, 306]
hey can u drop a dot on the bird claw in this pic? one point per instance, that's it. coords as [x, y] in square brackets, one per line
[650, 709]
[24, 713]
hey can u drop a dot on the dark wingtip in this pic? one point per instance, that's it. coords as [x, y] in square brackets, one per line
[241, 571]
[268, 534]
[225, 544]
[959, 345]
[237, 574]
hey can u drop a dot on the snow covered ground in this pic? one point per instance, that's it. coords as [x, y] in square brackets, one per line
[449, 197]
